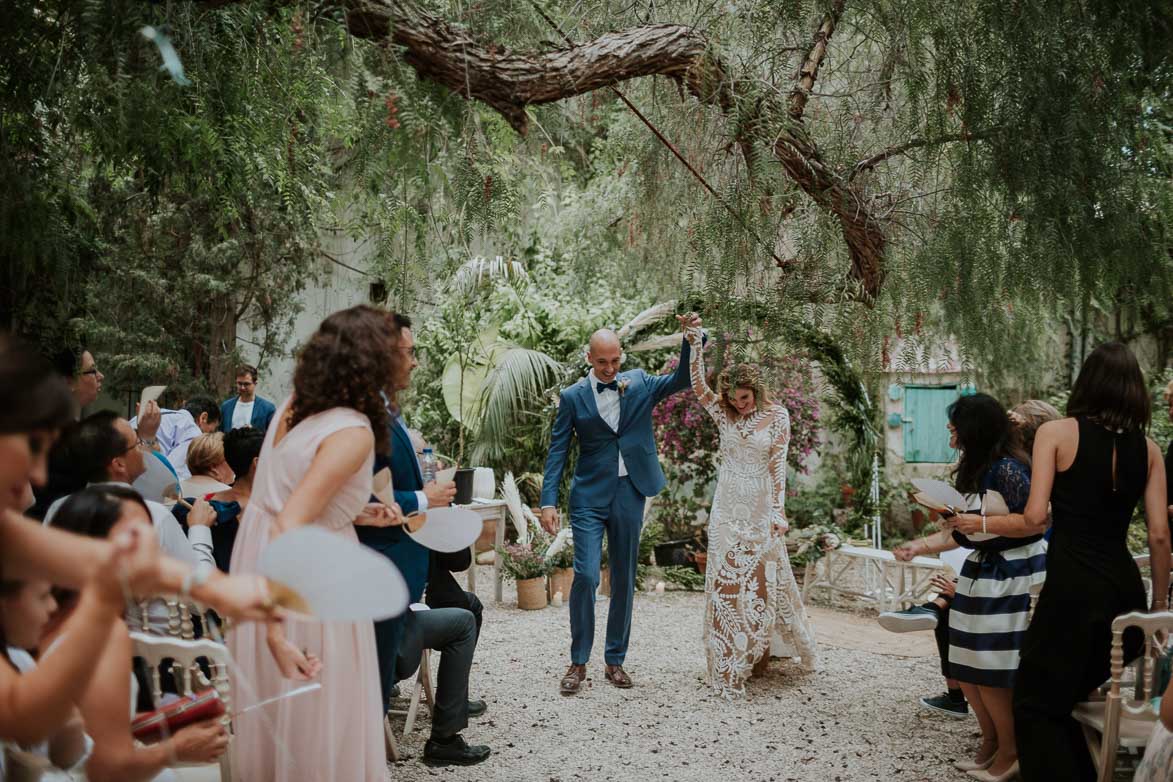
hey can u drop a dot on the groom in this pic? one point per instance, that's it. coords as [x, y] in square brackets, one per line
[611, 413]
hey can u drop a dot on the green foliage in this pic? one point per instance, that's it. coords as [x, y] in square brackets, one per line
[684, 577]
[521, 562]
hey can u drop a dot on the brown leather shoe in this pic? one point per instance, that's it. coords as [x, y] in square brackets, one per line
[617, 676]
[572, 681]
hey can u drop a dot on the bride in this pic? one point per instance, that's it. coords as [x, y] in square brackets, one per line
[753, 608]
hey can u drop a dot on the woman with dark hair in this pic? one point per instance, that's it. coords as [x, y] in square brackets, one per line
[315, 468]
[1092, 468]
[107, 704]
[991, 609]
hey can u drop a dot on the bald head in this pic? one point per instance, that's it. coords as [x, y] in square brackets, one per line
[605, 354]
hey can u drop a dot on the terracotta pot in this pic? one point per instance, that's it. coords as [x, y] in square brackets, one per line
[488, 538]
[701, 558]
[560, 580]
[605, 581]
[531, 593]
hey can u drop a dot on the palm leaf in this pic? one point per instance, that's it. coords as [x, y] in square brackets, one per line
[517, 382]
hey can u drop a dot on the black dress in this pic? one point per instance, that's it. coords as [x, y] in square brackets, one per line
[1091, 579]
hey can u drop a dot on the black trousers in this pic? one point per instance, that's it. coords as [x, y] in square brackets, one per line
[468, 601]
[453, 633]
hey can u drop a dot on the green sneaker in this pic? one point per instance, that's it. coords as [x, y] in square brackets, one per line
[943, 704]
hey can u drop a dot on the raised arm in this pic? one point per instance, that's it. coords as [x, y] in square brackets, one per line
[1156, 514]
[700, 386]
[779, 446]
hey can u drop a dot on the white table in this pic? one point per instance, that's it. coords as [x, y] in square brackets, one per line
[874, 575]
[488, 511]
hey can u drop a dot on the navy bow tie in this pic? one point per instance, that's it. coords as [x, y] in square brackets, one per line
[601, 387]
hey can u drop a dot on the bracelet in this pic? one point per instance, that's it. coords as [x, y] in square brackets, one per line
[983, 523]
[196, 577]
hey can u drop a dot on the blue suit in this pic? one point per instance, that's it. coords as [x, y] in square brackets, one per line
[392, 542]
[263, 412]
[601, 501]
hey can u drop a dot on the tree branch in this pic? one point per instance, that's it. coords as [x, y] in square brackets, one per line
[917, 143]
[814, 59]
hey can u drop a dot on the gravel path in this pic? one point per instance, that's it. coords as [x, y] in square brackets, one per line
[857, 719]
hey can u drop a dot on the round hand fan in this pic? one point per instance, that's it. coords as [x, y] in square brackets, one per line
[445, 529]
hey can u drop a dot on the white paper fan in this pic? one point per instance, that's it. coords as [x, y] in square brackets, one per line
[942, 493]
[445, 529]
[158, 482]
[332, 578]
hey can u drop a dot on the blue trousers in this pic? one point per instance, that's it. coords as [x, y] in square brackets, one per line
[621, 520]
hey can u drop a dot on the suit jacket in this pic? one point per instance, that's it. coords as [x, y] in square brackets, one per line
[597, 473]
[263, 412]
[410, 557]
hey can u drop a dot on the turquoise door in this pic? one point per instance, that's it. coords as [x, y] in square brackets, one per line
[926, 438]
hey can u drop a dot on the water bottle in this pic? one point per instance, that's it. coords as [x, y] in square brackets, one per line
[428, 465]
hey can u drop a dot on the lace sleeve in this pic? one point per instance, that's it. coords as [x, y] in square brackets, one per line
[1011, 479]
[696, 372]
[779, 447]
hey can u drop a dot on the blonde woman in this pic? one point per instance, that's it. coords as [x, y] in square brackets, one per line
[753, 607]
[210, 472]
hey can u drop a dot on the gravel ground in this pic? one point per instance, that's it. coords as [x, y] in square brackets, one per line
[856, 719]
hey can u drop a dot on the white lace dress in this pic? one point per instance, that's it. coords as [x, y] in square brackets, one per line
[753, 606]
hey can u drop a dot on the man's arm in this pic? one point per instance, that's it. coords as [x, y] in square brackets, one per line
[664, 386]
[559, 447]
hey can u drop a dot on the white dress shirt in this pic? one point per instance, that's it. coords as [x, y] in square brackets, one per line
[607, 403]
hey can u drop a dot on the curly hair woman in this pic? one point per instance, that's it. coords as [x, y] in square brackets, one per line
[315, 468]
[753, 609]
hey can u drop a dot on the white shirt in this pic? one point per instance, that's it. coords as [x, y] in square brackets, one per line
[176, 431]
[608, 404]
[243, 414]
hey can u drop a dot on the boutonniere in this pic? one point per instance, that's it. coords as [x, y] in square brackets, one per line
[623, 384]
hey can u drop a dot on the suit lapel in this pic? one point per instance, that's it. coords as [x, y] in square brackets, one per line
[588, 395]
[404, 441]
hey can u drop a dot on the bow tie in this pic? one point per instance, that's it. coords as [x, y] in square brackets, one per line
[601, 387]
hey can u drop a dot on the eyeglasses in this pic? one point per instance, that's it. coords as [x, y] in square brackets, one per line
[409, 352]
[244, 385]
[138, 443]
[90, 371]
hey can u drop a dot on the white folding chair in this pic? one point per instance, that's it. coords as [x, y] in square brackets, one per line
[1118, 721]
[421, 692]
[182, 655]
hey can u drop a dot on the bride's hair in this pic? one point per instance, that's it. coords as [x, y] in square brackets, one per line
[742, 376]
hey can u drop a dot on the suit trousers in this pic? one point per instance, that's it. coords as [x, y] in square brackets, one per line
[621, 521]
[453, 633]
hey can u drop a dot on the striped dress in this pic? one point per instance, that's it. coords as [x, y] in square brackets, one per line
[991, 611]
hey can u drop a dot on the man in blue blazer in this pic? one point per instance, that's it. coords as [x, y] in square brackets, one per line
[246, 408]
[618, 469]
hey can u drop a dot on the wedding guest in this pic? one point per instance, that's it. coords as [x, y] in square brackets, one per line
[1169, 448]
[1029, 416]
[81, 372]
[177, 428]
[1157, 765]
[315, 468]
[25, 609]
[1092, 469]
[242, 449]
[991, 609]
[34, 404]
[209, 468]
[246, 408]
[107, 703]
[442, 591]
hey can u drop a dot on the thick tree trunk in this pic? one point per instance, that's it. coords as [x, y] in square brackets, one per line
[509, 81]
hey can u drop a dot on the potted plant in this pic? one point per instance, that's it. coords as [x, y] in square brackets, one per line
[528, 569]
[561, 572]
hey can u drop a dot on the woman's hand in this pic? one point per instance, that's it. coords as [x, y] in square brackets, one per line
[296, 664]
[201, 742]
[965, 523]
[376, 514]
[944, 585]
[202, 514]
[689, 321]
[905, 551]
[244, 597]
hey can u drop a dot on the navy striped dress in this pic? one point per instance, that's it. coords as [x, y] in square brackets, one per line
[991, 611]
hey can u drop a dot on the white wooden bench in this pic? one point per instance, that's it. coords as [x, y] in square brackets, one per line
[874, 575]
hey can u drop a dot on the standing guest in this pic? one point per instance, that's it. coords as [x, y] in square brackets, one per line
[1092, 468]
[451, 631]
[81, 372]
[1029, 416]
[246, 408]
[242, 449]
[991, 608]
[315, 468]
[1169, 449]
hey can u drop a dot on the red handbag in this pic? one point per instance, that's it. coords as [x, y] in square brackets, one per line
[154, 725]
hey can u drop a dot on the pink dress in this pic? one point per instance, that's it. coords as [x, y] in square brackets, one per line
[336, 733]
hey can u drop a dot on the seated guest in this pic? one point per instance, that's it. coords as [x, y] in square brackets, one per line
[247, 408]
[177, 428]
[210, 472]
[103, 449]
[442, 590]
[80, 370]
[106, 704]
[25, 610]
[242, 448]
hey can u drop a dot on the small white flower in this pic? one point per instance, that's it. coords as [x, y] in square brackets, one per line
[623, 384]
